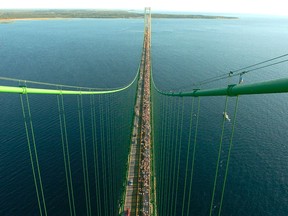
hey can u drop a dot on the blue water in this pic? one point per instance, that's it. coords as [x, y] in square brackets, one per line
[74, 52]
[192, 50]
[106, 53]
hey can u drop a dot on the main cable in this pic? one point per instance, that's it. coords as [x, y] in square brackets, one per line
[233, 74]
[272, 59]
[50, 84]
[239, 71]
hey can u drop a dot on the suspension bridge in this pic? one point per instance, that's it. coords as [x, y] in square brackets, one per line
[130, 153]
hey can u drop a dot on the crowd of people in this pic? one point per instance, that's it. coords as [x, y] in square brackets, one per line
[144, 191]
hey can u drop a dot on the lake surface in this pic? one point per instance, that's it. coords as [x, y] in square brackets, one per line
[106, 53]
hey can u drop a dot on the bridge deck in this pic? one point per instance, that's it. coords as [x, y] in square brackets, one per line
[131, 199]
[137, 198]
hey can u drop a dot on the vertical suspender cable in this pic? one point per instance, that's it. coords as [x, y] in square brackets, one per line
[175, 156]
[95, 154]
[159, 154]
[82, 152]
[218, 159]
[31, 155]
[169, 165]
[93, 139]
[229, 153]
[113, 122]
[155, 151]
[162, 147]
[64, 155]
[188, 154]
[108, 169]
[36, 155]
[113, 152]
[164, 164]
[108, 140]
[112, 143]
[85, 154]
[103, 167]
[193, 157]
[158, 149]
[68, 155]
[179, 155]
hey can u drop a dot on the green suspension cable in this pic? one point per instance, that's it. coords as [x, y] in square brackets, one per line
[175, 157]
[114, 211]
[103, 156]
[158, 146]
[229, 154]
[158, 141]
[163, 147]
[95, 154]
[36, 154]
[64, 155]
[218, 159]
[31, 156]
[108, 169]
[85, 154]
[108, 140]
[179, 154]
[113, 143]
[158, 152]
[93, 146]
[113, 154]
[188, 154]
[82, 152]
[193, 157]
[68, 155]
[122, 180]
[103, 168]
[169, 160]
[168, 165]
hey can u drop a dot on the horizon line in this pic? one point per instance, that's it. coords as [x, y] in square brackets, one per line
[156, 10]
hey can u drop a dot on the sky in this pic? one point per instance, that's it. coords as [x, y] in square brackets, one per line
[272, 7]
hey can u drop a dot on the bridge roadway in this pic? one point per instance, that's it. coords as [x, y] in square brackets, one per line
[132, 196]
[137, 198]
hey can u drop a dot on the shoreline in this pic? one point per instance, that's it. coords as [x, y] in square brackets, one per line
[20, 15]
[10, 20]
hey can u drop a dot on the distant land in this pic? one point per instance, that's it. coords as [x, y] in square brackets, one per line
[9, 15]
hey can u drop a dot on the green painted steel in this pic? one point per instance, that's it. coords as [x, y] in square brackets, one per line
[267, 87]
[27, 90]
